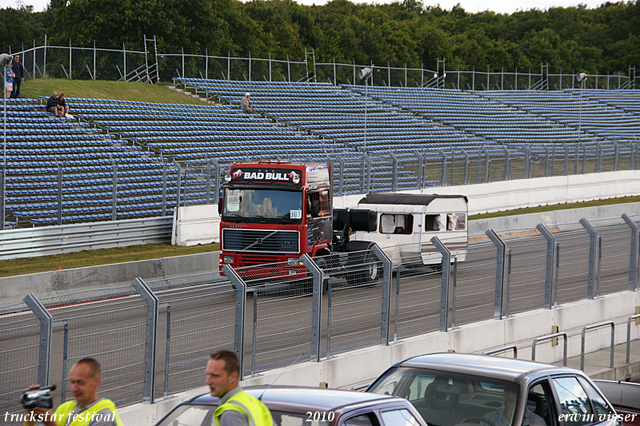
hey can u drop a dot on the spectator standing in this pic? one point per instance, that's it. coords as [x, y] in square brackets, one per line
[18, 70]
[52, 105]
[245, 104]
[86, 409]
[62, 104]
[237, 407]
[8, 84]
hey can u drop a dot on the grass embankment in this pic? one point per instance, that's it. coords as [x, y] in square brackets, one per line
[154, 251]
[141, 92]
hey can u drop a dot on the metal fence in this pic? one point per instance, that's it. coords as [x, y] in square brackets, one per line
[152, 62]
[153, 337]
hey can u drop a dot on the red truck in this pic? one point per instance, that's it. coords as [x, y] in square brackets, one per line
[277, 211]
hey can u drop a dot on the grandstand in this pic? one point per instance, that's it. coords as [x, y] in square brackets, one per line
[64, 170]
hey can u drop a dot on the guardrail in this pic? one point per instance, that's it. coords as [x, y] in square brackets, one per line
[591, 327]
[50, 240]
[629, 335]
[513, 348]
[548, 337]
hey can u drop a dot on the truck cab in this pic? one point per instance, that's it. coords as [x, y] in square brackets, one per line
[274, 212]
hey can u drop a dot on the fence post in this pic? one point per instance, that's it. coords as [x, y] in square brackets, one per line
[44, 66]
[178, 189]
[386, 293]
[316, 305]
[548, 282]
[46, 335]
[151, 339]
[394, 172]
[70, 62]
[487, 164]
[114, 192]
[420, 174]
[340, 176]
[164, 188]
[616, 155]
[527, 162]
[443, 178]
[593, 242]
[501, 247]
[217, 184]
[633, 259]
[240, 313]
[547, 162]
[3, 191]
[446, 278]
[124, 62]
[33, 67]
[59, 195]
[94, 61]
[507, 162]
[366, 173]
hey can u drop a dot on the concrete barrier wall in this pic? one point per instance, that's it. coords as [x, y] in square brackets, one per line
[196, 225]
[346, 370]
[17, 287]
[523, 193]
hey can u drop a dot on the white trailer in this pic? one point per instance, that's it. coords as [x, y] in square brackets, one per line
[407, 222]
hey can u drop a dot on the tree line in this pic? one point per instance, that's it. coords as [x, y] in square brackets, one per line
[606, 38]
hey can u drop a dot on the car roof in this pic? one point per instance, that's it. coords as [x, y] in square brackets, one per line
[302, 399]
[483, 365]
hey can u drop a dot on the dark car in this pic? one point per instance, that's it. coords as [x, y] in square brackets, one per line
[625, 398]
[451, 389]
[304, 406]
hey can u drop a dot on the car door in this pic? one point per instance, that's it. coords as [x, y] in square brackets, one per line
[580, 404]
[540, 405]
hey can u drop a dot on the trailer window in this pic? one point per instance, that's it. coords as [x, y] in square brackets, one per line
[396, 224]
[434, 222]
[456, 222]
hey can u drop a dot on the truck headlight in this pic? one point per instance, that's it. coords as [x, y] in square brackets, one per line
[227, 259]
[293, 261]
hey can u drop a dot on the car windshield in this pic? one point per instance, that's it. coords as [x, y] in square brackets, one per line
[202, 415]
[262, 205]
[447, 399]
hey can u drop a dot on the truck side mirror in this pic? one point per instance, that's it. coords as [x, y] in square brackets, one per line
[220, 206]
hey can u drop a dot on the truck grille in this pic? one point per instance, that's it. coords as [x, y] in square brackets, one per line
[260, 241]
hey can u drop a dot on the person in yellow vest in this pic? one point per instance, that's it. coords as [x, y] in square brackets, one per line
[237, 407]
[86, 409]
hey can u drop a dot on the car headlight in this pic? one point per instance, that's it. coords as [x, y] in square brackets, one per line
[227, 259]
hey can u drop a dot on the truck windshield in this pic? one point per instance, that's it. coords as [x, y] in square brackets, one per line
[262, 205]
